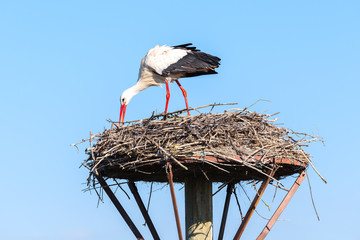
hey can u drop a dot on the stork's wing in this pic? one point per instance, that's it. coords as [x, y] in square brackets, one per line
[193, 64]
[180, 61]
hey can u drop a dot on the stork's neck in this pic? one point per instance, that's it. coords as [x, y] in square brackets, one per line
[146, 79]
[135, 89]
[138, 87]
[141, 85]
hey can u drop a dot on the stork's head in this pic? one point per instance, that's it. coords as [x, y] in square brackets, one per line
[125, 98]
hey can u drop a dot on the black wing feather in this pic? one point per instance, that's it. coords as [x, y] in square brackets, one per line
[186, 46]
[193, 64]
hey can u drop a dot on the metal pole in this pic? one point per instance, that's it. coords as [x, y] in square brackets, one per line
[173, 197]
[282, 206]
[142, 208]
[253, 205]
[229, 190]
[119, 207]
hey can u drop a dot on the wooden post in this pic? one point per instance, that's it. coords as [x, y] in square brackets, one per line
[198, 209]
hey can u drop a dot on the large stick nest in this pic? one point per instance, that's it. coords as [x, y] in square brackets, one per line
[221, 147]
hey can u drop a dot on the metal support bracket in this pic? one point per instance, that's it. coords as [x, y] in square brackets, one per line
[173, 197]
[229, 190]
[253, 205]
[230, 187]
[282, 206]
[142, 208]
[119, 207]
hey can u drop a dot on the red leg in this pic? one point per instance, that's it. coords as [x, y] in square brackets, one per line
[185, 95]
[167, 96]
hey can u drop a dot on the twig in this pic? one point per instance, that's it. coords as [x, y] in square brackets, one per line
[166, 153]
[257, 192]
[176, 112]
[237, 202]
[121, 189]
[313, 167]
[219, 189]
[312, 199]
[148, 204]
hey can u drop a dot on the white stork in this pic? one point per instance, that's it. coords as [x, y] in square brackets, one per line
[164, 64]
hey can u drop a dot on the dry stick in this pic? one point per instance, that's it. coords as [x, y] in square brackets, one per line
[148, 205]
[166, 153]
[245, 109]
[204, 174]
[246, 164]
[219, 189]
[240, 110]
[257, 193]
[184, 110]
[309, 161]
[255, 152]
[82, 141]
[280, 187]
[214, 165]
[121, 188]
[211, 108]
[176, 112]
[94, 187]
[98, 162]
[277, 185]
[237, 201]
[250, 202]
[98, 194]
[90, 142]
[312, 199]
[92, 154]
[264, 100]
[102, 196]
[84, 164]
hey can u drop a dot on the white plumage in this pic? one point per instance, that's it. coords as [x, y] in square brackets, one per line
[159, 58]
[164, 64]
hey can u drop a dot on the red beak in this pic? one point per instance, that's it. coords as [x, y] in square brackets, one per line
[122, 113]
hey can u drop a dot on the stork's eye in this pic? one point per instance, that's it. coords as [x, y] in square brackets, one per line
[123, 100]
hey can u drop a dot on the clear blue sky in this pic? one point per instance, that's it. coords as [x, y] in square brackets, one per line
[64, 65]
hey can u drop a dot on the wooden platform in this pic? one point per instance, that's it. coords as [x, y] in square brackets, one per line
[208, 167]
